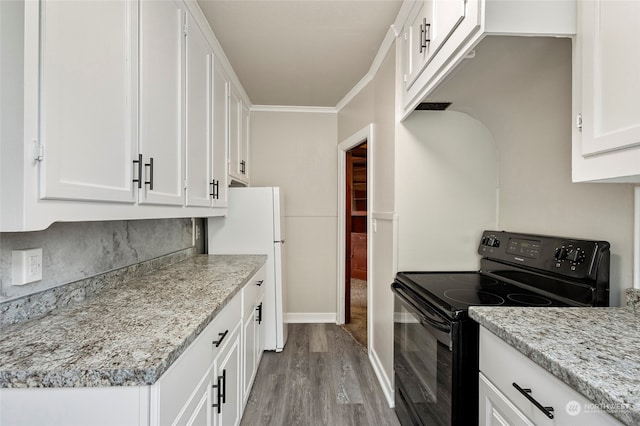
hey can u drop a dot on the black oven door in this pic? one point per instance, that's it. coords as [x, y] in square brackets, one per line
[423, 362]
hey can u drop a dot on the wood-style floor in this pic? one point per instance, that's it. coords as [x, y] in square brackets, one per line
[322, 377]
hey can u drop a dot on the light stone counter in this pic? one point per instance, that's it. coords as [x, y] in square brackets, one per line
[596, 351]
[127, 335]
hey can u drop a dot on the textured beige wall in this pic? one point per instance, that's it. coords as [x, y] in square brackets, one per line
[297, 152]
[526, 104]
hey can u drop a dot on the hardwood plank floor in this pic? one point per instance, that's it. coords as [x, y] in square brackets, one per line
[322, 377]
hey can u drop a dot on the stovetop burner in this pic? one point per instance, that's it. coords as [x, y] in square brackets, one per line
[473, 297]
[529, 299]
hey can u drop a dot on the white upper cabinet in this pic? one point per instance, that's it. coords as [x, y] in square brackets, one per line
[161, 100]
[87, 112]
[607, 92]
[418, 42]
[244, 141]
[430, 24]
[123, 113]
[199, 117]
[219, 150]
[235, 114]
[455, 27]
[238, 137]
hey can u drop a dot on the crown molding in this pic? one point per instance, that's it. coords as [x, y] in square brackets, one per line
[287, 108]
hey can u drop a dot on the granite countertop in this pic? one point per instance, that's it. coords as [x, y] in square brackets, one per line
[596, 351]
[127, 335]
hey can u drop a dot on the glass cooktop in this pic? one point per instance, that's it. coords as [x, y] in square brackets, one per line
[453, 292]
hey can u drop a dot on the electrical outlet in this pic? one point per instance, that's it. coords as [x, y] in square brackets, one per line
[26, 266]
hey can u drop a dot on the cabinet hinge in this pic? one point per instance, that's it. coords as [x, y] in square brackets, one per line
[185, 29]
[38, 149]
[184, 184]
[579, 121]
[405, 78]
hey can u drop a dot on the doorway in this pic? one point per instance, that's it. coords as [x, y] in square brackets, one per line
[355, 298]
[355, 203]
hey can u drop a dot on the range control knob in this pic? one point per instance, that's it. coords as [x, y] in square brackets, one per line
[576, 256]
[560, 254]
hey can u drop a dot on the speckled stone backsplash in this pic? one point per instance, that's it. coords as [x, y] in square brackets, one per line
[39, 304]
[79, 250]
[633, 299]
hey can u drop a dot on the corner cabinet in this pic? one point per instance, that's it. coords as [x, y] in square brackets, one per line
[606, 92]
[439, 34]
[502, 368]
[124, 114]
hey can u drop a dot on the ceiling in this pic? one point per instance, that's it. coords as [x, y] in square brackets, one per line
[300, 52]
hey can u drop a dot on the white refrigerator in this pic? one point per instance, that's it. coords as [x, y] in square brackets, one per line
[254, 225]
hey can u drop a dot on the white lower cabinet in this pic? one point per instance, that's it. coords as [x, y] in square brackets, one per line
[502, 368]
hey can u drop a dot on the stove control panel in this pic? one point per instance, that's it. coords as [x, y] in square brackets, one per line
[564, 256]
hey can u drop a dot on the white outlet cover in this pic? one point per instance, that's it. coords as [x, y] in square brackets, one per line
[26, 266]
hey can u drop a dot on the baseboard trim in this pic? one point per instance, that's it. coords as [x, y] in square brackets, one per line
[310, 317]
[385, 383]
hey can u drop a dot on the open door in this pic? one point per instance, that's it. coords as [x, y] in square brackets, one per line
[356, 235]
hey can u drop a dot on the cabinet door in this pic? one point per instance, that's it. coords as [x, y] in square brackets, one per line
[227, 373]
[447, 16]
[220, 134]
[198, 117]
[161, 101]
[418, 35]
[201, 415]
[259, 345]
[249, 362]
[610, 83]
[88, 75]
[235, 134]
[244, 141]
[496, 409]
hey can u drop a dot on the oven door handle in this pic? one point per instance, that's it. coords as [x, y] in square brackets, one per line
[428, 316]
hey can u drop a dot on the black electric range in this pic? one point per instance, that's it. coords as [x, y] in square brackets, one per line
[435, 342]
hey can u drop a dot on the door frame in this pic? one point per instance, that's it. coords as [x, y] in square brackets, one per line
[363, 135]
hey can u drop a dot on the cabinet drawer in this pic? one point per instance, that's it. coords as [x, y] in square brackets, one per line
[503, 365]
[252, 291]
[176, 386]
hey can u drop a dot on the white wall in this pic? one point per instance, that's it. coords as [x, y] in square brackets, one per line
[297, 152]
[526, 103]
